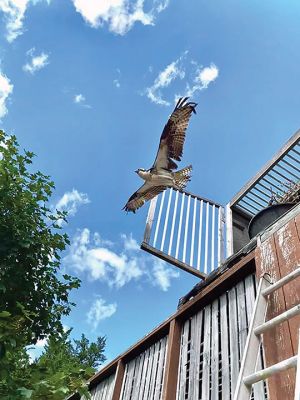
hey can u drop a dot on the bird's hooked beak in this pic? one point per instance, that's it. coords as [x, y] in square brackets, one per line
[136, 171]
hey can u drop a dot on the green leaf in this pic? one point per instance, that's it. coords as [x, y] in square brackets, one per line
[26, 393]
[5, 314]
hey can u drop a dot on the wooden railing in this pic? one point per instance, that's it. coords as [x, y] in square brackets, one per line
[186, 230]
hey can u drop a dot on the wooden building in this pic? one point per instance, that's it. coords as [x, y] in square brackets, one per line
[197, 353]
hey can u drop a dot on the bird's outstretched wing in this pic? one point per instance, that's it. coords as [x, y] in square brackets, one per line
[173, 135]
[143, 194]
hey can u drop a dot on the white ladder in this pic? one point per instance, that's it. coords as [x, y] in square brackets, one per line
[248, 376]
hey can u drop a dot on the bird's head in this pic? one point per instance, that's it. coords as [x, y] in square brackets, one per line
[140, 170]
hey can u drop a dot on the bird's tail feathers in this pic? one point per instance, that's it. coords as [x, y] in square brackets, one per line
[182, 177]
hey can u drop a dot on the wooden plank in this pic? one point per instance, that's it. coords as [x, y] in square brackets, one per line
[137, 383]
[215, 350]
[193, 355]
[144, 373]
[172, 260]
[128, 383]
[154, 370]
[161, 366]
[183, 360]
[124, 384]
[149, 372]
[233, 338]
[172, 361]
[206, 353]
[242, 317]
[277, 341]
[197, 346]
[111, 387]
[258, 388]
[224, 347]
[288, 253]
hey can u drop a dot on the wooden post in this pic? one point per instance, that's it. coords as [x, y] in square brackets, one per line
[119, 380]
[172, 361]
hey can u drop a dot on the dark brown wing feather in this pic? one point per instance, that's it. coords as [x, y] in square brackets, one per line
[173, 135]
[143, 194]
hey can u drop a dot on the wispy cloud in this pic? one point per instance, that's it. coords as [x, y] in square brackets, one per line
[119, 15]
[6, 88]
[193, 77]
[163, 275]
[81, 100]
[35, 63]
[70, 202]
[169, 74]
[116, 268]
[99, 311]
[204, 76]
[14, 13]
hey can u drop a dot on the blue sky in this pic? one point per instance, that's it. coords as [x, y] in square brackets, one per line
[88, 86]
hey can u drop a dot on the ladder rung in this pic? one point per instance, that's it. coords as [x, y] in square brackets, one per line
[277, 320]
[267, 372]
[281, 282]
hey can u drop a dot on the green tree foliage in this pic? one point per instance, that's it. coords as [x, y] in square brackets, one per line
[34, 295]
[30, 247]
[62, 369]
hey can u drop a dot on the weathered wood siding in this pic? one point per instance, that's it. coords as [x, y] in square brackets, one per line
[212, 344]
[104, 390]
[278, 254]
[143, 378]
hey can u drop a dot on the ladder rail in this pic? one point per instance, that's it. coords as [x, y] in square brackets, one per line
[286, 315]
[269, 371]
[251, 350]
[247, 376]
[297, 388]
[281, 282]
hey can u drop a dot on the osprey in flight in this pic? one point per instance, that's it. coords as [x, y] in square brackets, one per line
[160, 176]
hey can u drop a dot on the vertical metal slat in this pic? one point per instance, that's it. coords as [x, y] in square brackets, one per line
[173, 223]
[193, 233]
[200, 235]
[206, 238]
[179, 227]
[166, 221]
[187, 217]
[159, 217]
[213, 238]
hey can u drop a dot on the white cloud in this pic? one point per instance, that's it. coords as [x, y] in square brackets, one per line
[36, 63]
[179, 70]
[100, 311]
[14, 13]
[119, 15]
[6, 88]
[70, 202]
[116, 82]
[204, 76]
[163, 275]
[116, 268]
[164, 79]
[79, 98]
